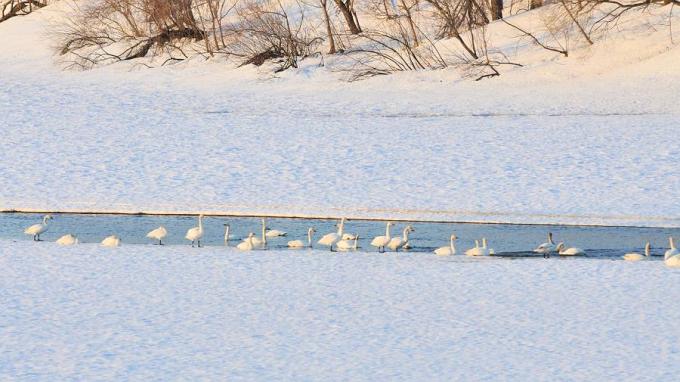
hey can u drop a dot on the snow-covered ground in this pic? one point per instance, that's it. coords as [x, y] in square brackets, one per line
[585, 140]
[152, 313]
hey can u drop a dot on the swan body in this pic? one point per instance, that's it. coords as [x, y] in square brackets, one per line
[673, 261]
[348, 245]
[67, 240]
[330, 239]
[381, 242]
[572, 251]
[449, 250]
[636, 256]
[158, 234]
[111, 241]
[400, 242]
[300, 243]
[196, 234]
[36, 229]
[275, 233]
[247, 244]
[547, 248]
[672, 251]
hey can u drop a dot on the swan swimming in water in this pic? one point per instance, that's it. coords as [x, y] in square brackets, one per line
[247, 244]
[672, 251]
[299, 243]
[196, 234]
[158, 234]
[475, 251]
[330, 239]
[36, 229]
[447, 251]
[636, 256]
[111, 241]
[261, 242]
[400, 242]
[672, 256]
[347, 245]
[67, 240]
[275, 233]
[572, 251]
[547, 248]
[381, 241]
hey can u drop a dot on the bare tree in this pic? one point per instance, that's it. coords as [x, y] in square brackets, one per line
[346, 7]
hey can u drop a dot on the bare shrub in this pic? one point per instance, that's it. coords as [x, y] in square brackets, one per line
[266, 31]
[392, 48]
[12, 8]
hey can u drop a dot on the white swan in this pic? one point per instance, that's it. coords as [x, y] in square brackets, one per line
[672, 257]
[447, 251]
[247, 244]
[476, 251]
[226, 234]
[275, 233]
[300, 243]
[381, 241]
[196, 234]
[330, 239]
[261, 242]
[547, 248]
[571, 251]
[634, 256]
[672, 251]
[67, 240]
[158, 234]
[111, 241]
[400, 242]
[36, 229]
[348, 245]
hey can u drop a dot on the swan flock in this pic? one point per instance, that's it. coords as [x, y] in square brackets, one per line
[342, 241]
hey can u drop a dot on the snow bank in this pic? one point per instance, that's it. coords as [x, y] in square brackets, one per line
[150, 313]
[583, 140]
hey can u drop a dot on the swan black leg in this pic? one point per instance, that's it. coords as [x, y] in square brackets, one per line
[199, 244]
[192, 244]
[160, 242]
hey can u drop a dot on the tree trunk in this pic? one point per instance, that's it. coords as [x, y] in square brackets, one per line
[348, 13]
[533, 4]
[329, 30]
[496, 9]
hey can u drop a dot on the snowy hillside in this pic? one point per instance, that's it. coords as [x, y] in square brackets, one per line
[584, 139]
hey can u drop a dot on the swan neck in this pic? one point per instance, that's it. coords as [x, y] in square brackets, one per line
[484, 242]
[672, 242]
[387, 230]
[406, 234]
[341, 229]
[647, 250]
[453, 246]
[200, 223]
[309, 237]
